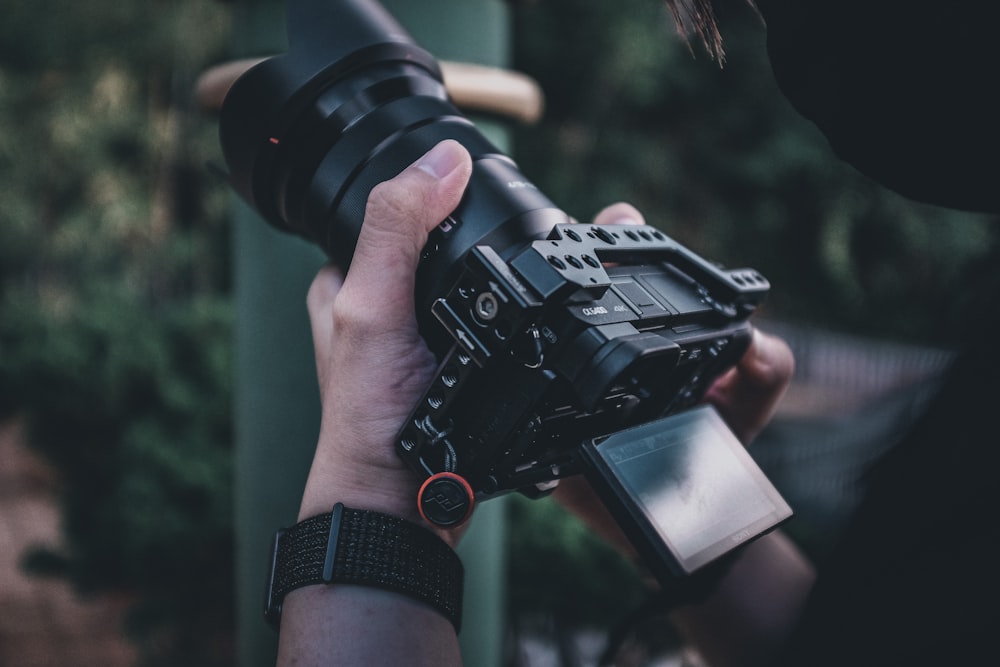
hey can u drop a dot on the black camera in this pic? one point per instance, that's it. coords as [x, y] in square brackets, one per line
[551, 335]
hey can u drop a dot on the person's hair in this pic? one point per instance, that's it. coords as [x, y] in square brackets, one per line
[697, 17]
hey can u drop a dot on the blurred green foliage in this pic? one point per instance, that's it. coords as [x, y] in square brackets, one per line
[114, 308]
[131, 406]
[115, 305]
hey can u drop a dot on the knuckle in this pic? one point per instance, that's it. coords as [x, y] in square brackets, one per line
[391, 201]
[391, 214]
[351, 317]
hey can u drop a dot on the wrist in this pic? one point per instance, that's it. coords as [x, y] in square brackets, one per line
[388, 490]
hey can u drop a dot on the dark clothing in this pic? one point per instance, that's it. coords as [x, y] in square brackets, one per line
[906, 91]
[915, 579]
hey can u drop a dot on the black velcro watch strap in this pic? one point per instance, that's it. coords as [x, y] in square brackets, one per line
[367, 548]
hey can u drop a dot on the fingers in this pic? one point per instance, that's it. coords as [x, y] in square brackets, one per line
[400, 214]
[619, 214]
[748, 394]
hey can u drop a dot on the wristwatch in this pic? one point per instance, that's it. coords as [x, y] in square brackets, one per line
[367, 548]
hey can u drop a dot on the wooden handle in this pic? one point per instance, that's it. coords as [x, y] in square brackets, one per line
[493, 90]
[473, 88]
[214, 83]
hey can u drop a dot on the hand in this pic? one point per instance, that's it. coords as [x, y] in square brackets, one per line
[372, 364]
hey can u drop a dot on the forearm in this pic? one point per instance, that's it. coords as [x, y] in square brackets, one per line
[345, 624]
[754, 607]
[354, 625]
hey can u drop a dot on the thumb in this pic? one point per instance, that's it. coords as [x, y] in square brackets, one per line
[400, 214]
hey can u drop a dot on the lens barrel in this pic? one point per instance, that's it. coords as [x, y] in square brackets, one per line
[308, 134]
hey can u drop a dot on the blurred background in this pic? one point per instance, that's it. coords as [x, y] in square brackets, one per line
[118, 285]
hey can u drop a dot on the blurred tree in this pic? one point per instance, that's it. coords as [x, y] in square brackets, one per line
[114, 318]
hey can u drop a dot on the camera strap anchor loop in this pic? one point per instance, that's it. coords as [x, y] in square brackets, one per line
[445, 500]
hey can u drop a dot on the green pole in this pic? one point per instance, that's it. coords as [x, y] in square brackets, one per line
[276, 408]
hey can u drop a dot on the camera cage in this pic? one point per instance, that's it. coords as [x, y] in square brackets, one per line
[509, 321]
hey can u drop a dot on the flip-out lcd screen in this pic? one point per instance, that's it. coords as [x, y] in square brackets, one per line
[684, 489]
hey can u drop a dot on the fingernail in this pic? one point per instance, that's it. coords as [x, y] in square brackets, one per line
[628, 221]
[440, 160]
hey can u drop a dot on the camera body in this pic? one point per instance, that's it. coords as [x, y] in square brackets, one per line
[583, 333]
[549, 333]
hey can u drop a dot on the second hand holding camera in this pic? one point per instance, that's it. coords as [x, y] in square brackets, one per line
[561, 345]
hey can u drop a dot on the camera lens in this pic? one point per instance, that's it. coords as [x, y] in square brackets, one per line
[351, 107]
